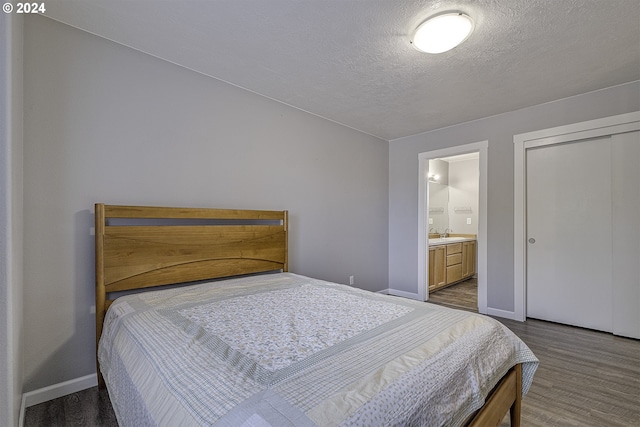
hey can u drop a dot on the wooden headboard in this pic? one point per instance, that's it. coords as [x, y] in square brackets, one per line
[143, 246]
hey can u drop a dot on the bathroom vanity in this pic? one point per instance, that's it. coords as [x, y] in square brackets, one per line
[451, 260]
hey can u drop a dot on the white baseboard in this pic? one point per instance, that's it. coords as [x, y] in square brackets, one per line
[384, 291]
[22, 409]
[501, 313]
[404, 294]
[58, 390]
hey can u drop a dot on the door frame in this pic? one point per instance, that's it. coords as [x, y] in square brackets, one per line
[522, 142]
[423, 208]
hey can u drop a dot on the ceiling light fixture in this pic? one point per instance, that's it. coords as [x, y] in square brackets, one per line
[442, 32]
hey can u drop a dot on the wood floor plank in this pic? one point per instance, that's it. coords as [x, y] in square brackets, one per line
[586, 378]
[463, 295]
[89, 407]
[46, 414]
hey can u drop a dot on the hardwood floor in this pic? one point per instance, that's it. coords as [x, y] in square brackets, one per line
[585, 378]
[463, 295]
[90, 408]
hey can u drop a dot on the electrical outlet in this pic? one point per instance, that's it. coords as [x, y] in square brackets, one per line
[468, 221]
[351, 280]
[430, 221]
[92, 309]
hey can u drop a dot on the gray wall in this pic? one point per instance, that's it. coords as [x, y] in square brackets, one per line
[499, 131]
[109, 124]
[11, 267]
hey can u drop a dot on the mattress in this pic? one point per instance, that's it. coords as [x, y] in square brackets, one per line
[288, 350]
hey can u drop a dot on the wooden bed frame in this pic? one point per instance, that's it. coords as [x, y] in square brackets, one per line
[142, 246]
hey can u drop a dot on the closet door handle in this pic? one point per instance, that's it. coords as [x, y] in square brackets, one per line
[532, 240]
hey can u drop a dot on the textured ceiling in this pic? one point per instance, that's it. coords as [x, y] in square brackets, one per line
[350, 61]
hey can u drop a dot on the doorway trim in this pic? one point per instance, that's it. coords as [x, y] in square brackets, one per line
[423, 207]
[522, 142]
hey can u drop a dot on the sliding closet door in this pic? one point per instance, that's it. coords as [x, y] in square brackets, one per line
[626, 234]
[569, 227]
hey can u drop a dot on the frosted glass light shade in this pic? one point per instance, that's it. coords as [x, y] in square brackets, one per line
[442, 32]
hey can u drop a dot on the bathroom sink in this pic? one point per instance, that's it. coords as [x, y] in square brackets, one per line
[444, 240]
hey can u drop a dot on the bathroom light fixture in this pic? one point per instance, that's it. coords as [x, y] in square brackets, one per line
[442, 32]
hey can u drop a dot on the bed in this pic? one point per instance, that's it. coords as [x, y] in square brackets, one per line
[247, 343]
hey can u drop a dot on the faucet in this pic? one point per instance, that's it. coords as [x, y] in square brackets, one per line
[446, 232]
[435, 231]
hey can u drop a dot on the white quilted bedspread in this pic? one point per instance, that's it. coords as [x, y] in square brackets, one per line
[287, 350]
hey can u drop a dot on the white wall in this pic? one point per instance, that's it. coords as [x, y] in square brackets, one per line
[11, 267]
[499, 131]
[464, 193]
[110, 124]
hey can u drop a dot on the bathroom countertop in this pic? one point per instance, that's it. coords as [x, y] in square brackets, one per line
[447, 240]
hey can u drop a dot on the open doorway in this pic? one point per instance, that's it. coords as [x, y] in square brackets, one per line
[456, 253]
[453, 193]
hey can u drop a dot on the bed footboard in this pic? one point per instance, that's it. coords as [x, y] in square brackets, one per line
[506, 396]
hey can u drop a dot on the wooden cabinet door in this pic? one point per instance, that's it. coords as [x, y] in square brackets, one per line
[437, 267]
[441, 272]
[432, 268]
[471, 259]
[454, 273]
[465, 259]
[468, 259]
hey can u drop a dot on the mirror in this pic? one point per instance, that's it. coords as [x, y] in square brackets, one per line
[453, 194]
[438, 207]
[438, 196]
